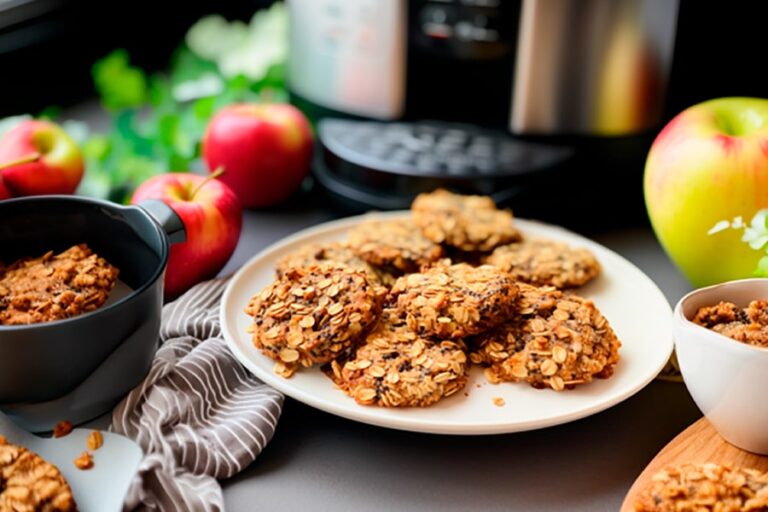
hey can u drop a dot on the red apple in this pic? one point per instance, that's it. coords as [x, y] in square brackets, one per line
[38, 157]
[212, 216]
[264, 149]
[4, 192]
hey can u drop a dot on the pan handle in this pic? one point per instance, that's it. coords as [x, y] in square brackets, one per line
[167, 218]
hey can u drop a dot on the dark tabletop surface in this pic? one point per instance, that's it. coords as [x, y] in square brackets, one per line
[319, 462]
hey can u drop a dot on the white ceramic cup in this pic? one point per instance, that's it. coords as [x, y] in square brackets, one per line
[727, 379]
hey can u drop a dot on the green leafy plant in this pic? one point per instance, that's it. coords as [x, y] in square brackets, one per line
[755, 234]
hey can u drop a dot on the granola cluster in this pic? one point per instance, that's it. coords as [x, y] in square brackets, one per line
[54, 286]
[394, 323]
[397, 245]
[395, 367]
[704, 488]
[469, 223]
[748, 325]
[30, 484]
[313, 314]
[555, 341]
[455, 301]
[546, 263]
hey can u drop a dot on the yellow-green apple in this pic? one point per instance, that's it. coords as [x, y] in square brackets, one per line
[709, 164]
[212, 217]
[38, 157]
[264, 149]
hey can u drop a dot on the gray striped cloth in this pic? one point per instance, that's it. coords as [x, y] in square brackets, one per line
[198, 415]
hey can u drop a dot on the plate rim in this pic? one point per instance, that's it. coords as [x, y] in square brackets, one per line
[419, 425]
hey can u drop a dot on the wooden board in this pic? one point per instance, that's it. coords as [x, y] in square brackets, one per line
[697, 444]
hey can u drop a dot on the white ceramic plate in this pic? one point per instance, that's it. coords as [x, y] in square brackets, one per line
[632, 303]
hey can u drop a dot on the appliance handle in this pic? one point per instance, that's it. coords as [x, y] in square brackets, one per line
[167, 218]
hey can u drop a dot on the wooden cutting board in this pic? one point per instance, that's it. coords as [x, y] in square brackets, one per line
[697, 444]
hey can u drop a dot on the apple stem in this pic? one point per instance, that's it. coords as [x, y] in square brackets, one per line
[215, 174]
[32, 157]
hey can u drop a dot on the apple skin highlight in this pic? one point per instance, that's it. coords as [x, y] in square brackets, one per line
[707, 165]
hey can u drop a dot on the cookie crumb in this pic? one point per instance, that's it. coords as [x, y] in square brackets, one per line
[498, 401]
[62, 428]
[84, 461]
[95, 440]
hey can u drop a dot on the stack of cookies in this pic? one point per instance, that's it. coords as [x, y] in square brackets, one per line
[397, 313]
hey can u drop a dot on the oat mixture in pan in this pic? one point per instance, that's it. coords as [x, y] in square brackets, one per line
[395, 367]
[748, 325]
[470, 223]
[54, 286]
[455, 301]
[30, 484]
[560, 344]
[313, 314]
[705, 487]
[546, 263]
[394, 245]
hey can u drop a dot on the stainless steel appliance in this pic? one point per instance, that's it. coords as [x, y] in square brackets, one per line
[585, 76]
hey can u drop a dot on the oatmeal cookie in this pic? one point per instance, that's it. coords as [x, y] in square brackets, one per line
[54, 286]
[557, 341]
[705, 487]
[28, 483]
[546, 263]
[394, 245]
[334, 252]
[397, 368]
[748, 325]
[470, 223]
[455, 301]
[312, 314]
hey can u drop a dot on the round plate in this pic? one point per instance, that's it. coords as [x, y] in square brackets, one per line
[632, 303]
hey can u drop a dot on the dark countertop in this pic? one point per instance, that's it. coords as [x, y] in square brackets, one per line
[319, 462]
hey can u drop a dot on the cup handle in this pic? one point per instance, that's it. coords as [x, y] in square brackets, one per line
[167, 218]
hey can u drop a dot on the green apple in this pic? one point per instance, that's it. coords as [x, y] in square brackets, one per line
[709, 164]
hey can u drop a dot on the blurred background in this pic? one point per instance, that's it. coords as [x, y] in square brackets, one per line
[549, 105]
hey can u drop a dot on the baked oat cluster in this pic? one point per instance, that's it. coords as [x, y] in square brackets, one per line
[395, 323]
[546, 263]
[469, 223]
[704, 488]
[54, 286]
[396, 367]
[748, 325]
[313, 314]
[555, 340]
[30, 484]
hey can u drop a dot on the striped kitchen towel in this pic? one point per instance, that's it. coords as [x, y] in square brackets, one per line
[198, 415]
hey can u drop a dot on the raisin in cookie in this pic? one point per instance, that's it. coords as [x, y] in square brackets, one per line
[312, 314]
[705, 487]
[546, 263]
[397, 368]
[557, 341]
[455, 301]
[470, 223]
[29, 483]
[333, 252]
[748, 325]
[54, 286]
